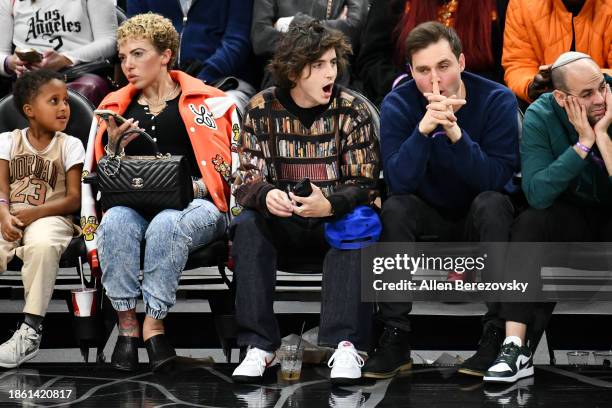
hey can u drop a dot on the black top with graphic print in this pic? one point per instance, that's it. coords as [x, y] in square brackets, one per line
[167, 128]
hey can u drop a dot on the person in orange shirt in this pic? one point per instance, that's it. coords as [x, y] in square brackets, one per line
[537, 32]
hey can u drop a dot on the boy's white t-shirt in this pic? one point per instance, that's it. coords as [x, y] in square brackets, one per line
[37, 177]
[73, 152]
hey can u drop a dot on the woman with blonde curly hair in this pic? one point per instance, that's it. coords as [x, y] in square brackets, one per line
[186, 118]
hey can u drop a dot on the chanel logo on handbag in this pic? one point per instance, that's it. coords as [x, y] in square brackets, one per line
[137, 182]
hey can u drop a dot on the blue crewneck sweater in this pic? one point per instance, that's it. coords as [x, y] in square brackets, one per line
[446, 175]
[217, 33]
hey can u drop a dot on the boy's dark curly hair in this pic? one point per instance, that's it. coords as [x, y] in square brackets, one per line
[304, 43]
[26, 88]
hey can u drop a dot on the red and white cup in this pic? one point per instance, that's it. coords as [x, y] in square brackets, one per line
[84, 302]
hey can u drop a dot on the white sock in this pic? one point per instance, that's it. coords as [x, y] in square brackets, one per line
[513, 339]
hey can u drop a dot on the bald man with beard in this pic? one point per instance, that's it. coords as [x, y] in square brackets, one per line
[566, 155]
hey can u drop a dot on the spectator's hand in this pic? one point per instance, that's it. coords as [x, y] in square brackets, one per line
[278, 203]
[438, 103]
[313, 206]
[11, 228]
[115, 131]
[433, 118]
[282, 24]
[576, 113]
[27, 215]
[541, 83]
[54, 61]
[440, 112]
[602, 126]
[344, 14]
[15, 65]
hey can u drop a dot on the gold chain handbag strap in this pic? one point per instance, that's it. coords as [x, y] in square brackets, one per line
[329, 9]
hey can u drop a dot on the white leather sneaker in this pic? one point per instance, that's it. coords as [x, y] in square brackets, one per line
[252, 368]
[19, 348]
[345, 364]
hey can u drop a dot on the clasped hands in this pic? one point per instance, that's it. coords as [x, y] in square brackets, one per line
[440, 112]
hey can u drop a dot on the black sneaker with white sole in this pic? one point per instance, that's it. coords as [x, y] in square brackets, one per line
[513, 363]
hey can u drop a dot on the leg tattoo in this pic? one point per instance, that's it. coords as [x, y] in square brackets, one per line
[128, 323]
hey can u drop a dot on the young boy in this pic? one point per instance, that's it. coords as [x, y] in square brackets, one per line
[40, 172]
[305, 127]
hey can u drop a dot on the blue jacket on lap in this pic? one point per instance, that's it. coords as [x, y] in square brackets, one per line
[216, 33]
[446, 175]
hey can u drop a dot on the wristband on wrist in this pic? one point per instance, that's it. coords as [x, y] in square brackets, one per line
[6, 67]
[4, 201]
[582, 147]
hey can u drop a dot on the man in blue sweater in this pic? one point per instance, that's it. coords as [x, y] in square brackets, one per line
[214, 35]
[449, 142]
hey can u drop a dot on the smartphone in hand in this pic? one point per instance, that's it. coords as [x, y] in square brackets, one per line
[105, 114]
[29, 55]
[303, 188]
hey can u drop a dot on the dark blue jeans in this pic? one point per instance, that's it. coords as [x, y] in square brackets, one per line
[258, 242]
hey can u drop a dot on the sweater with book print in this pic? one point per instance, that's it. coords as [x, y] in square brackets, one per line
[339, 151]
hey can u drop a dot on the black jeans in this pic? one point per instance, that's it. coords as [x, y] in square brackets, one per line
[406, 218]
[561, 222]
[258, 242]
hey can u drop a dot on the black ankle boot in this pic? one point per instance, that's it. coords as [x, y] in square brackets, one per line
[161, 353]
[390, 357]
[125, 354]
[488, 349]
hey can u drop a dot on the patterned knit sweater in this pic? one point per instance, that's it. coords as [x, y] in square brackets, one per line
[339, 152]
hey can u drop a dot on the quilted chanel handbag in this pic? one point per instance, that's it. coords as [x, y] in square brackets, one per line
[148, 184]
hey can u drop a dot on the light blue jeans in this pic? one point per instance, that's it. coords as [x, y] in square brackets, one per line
[170, 236]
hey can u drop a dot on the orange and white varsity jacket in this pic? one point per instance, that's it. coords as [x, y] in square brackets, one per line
[212, 122]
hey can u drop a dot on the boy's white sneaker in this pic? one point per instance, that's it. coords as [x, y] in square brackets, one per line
[21, 347]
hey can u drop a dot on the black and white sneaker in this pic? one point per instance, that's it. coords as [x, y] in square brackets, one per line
[513, 362]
